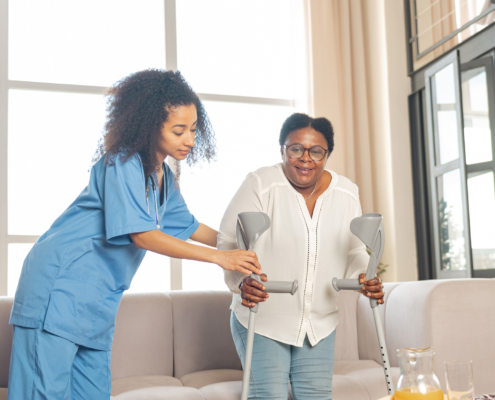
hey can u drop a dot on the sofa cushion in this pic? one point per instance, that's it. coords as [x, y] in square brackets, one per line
[6, 342]
[123, 385]
[348, 388]
[346, 367]
[143, 339]
[202, 338]
[3, 394]
[204, 378]
[222, 391]
[226, 391]
[161, 393]
[373, 380]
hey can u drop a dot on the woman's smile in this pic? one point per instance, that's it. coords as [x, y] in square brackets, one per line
[304, 171]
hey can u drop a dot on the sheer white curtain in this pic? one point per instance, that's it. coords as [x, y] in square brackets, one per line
[359, 82]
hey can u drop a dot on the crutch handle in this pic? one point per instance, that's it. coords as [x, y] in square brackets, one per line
[275, 287]
[281, 287]
[351, 284]
[346, 284]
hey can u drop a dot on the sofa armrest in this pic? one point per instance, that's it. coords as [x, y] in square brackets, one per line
[455, 317]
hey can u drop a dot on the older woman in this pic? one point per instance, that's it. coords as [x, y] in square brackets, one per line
[311, 209]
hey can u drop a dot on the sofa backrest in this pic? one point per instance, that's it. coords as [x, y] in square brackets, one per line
[346, 340]
[202, 338]
[5, 339]
[186, 331]
[456, 317]
[143, 340]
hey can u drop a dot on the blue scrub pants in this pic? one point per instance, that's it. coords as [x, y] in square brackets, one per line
[309, 369]
[44, 366]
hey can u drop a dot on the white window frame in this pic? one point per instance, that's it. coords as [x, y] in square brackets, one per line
[6, 85]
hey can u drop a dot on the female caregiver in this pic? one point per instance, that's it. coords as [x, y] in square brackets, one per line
[73, 279]
[311, 209]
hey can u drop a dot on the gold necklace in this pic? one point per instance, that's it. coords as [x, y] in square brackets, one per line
[307, 198]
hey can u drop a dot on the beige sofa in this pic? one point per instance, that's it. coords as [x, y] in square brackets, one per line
[178, 345]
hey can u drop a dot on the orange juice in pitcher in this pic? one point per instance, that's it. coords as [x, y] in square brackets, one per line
[415, 394]
[417, 380]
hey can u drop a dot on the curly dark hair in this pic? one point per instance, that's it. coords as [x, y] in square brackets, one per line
[298, 121]
[137, 107]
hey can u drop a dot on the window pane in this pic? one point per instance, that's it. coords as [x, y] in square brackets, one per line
[153, 275]
[435, 19]
[481, 193]
[52, 138]
[477, 133]
[446, 135]
[17, 252]
[202, 276]
[247, 138]
[246, 49]
[95, 42]
[451, 223]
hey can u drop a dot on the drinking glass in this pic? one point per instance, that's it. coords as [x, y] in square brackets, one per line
[459, 378]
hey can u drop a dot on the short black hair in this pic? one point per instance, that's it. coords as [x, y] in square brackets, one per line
[298, 121]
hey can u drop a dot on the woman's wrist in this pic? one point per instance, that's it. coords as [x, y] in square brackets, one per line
[214, 256]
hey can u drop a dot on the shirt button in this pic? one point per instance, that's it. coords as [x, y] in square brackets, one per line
[312, 229]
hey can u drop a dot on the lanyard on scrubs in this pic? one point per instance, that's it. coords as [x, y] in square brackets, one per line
[154, 193]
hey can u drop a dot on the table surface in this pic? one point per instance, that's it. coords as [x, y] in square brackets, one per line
[392, 397]
[486, 396]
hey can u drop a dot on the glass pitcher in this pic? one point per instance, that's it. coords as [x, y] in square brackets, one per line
[417, 380]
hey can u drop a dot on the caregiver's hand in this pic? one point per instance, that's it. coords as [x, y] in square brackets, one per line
[231, 260]
[372, 288]
[239, 260]
[252, 291]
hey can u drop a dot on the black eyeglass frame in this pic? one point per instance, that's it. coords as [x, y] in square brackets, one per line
[308, 149]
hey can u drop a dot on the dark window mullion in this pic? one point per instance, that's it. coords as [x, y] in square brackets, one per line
[462, 167]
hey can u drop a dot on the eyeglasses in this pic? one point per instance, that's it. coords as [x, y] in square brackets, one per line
[296, 151]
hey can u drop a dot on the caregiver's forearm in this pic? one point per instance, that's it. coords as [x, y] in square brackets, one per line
[167, 245]
[206, 235]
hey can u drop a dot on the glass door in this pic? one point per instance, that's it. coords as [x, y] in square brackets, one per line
[478, 105]
[447, 172]
[460, 101]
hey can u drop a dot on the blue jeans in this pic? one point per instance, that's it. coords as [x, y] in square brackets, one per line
[309, 369]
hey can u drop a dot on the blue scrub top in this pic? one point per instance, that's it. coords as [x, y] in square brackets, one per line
[73, 279]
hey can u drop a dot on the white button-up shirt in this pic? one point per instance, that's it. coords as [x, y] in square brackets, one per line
[312, 250]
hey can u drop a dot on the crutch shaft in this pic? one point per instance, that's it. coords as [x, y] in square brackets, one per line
[249, 355]
[383, 350]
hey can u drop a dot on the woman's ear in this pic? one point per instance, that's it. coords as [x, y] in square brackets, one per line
[282, 151]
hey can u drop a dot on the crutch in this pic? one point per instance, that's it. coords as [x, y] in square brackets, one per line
[250, 226]
[369, 229]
